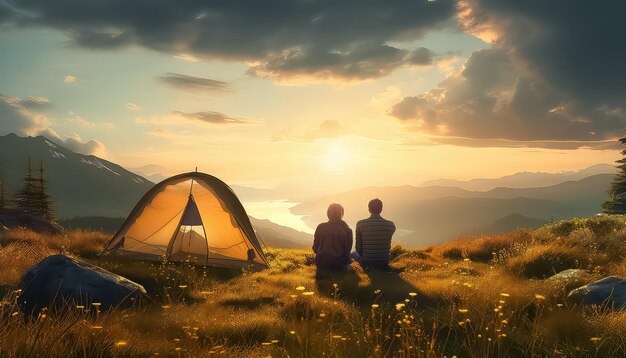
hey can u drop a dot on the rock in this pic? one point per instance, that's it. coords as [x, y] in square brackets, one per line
[569, 279]
[610, 291]
[58, 279]
[12, 220]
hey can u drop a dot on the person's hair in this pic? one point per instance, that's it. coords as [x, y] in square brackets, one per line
[375, 206]
[335, 212]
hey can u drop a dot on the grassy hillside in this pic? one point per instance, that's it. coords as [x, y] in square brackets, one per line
[476, 296]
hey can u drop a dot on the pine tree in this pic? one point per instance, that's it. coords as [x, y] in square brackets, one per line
[2, 193]
[26, 199]
[617, 194]
[43, 205]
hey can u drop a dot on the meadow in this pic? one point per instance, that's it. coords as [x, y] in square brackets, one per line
[480, 296]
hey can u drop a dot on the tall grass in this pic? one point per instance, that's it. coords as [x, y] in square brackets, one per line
[490, 301]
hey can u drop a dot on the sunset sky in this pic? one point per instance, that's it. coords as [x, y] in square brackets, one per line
[309, 93]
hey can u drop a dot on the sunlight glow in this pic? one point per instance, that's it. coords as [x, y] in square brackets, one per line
[336, 158]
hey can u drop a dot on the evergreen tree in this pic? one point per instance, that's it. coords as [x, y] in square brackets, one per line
[2, 193]
[26, 199]
[43, 205]
[617, 194]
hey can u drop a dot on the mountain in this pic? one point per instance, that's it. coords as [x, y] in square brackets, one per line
[523, 179]
[79, 185]
[430, 215]
[281, 236]
[512, 222]
[153, 172]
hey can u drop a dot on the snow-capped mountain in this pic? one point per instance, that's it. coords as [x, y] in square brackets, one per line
[79, 185]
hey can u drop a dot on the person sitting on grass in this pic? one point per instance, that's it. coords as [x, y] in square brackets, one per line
[333, 241]
[373, 238]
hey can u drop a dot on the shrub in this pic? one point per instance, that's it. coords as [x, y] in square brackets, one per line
[397, 250]
[600, 225]
[604, 225]
[542, 261]
[453, 253]
[486, 248]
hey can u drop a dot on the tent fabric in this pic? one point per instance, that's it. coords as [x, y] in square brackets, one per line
[192, 217]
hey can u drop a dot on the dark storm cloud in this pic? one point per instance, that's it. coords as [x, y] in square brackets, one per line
[194, 84]
[7, 15]
[554, 78]
[576, 46]
[324, 38]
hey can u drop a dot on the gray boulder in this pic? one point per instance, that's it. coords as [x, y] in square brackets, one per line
[59, 279]
[569, 279]
[610, 291]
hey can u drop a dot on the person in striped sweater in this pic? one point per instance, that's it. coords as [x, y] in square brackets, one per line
[373, 238]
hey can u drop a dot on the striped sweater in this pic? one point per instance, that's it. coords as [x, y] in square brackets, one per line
[373, 238]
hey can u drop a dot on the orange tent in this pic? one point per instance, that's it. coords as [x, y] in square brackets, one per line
[192, 217]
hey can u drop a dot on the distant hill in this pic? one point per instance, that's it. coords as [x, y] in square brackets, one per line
[524, 179]
[281, 236]
[430, 215]
[80, 185]
[512, 222]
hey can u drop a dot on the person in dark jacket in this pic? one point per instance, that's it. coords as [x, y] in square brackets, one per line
[333, 241]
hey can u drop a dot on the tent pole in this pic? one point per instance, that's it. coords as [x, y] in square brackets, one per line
[206, 239]
[170, 245]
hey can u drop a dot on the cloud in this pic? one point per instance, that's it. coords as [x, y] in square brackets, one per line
[38, 104]
[187, 57]
[18, 118]
[363, 61]
[320, 39]
[133, 107]
[553, 79]
[69, 79]
[576, 49]
[90, 147]
[80, 121]
[200, 118]
[7, 15]
[193, 84]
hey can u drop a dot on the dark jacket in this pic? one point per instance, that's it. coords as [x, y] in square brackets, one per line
[332, 244]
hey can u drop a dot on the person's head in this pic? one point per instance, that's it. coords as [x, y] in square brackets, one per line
[375, 206]
[335, 212]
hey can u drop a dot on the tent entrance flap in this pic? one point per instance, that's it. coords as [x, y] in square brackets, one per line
[189, 242]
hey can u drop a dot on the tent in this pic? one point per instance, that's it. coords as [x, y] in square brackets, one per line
[192, 217]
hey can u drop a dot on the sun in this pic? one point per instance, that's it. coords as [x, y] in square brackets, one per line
[335, 158]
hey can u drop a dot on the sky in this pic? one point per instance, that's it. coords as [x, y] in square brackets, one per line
[319, 95]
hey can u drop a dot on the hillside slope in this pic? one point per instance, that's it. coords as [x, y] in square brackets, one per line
[79, 185]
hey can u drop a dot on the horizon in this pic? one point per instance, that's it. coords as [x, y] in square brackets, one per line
[148, 170]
